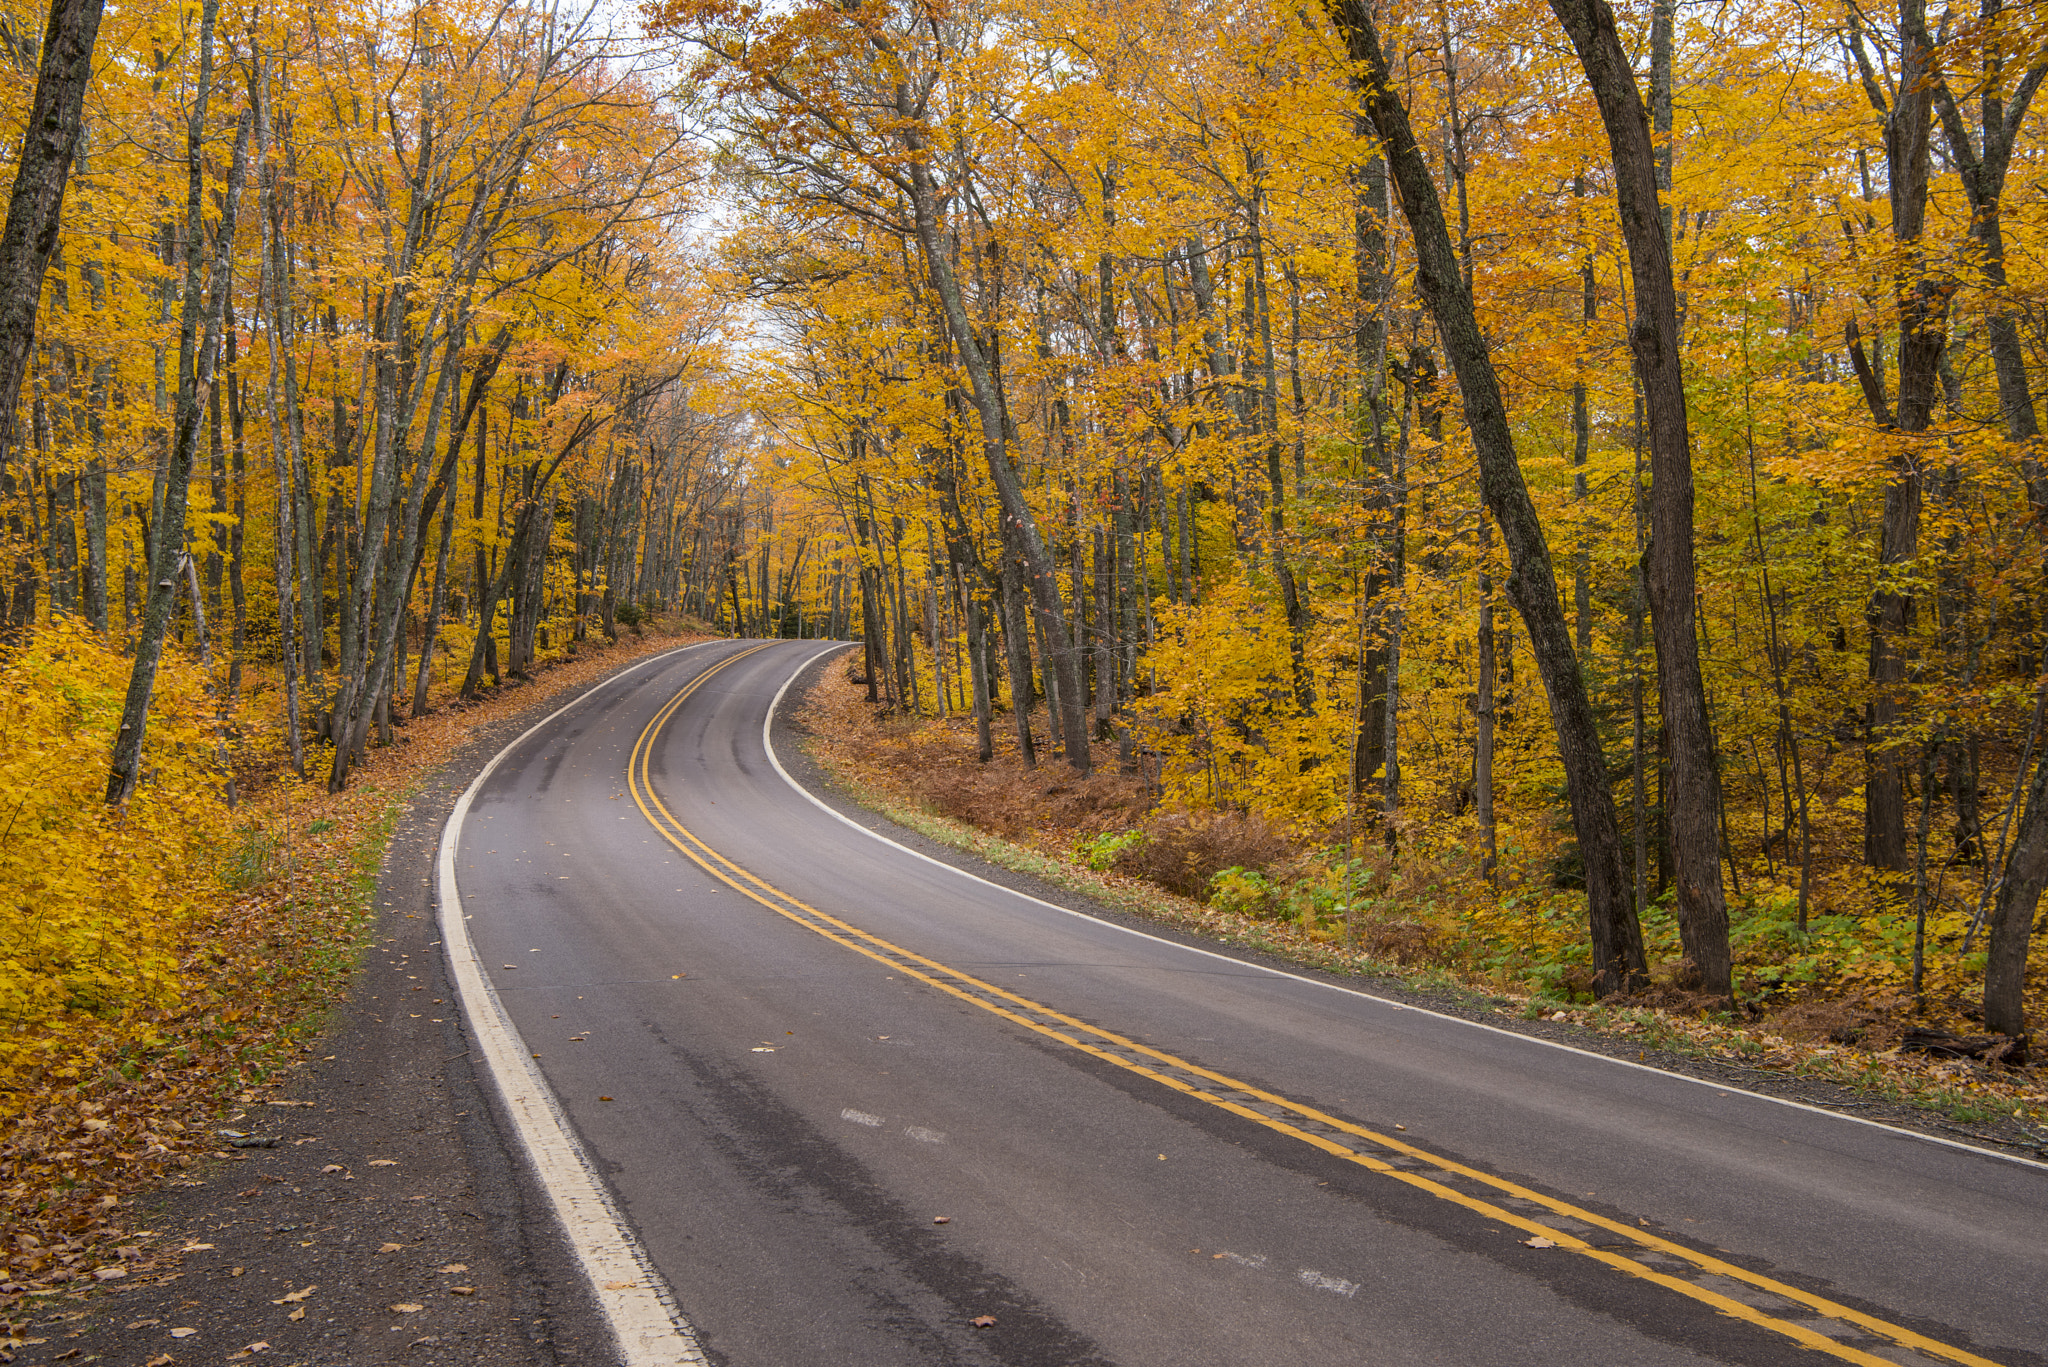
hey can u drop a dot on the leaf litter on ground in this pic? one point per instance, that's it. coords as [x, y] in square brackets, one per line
[260, 969]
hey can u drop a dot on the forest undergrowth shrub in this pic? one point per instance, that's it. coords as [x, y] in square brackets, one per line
[1099, 851]
[1012, 801]
[1183, 851]
[1246, 892]
[93, 899]
[1865, 955]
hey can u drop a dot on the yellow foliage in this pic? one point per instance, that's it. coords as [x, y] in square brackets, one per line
[1225, 718]
[94, 896]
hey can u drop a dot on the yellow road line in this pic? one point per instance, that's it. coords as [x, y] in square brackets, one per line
[956, 983]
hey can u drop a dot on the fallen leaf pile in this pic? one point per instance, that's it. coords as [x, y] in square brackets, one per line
[102, 1116]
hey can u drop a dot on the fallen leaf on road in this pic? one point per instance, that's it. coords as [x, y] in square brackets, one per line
[297, 1314]
[462, 1291]
[407, 1307]
[183, 1333]
[107, 1274]
[984, 1321]
[453, 1268]
[145, 1324]
[334, 1167]
[383, 1162]
[1539, 1242]
[604, 1098]
[194, 1248]
[160, 1360]
[391, 1248]
[293, 1297]
[236, 1273]
[942, 1219]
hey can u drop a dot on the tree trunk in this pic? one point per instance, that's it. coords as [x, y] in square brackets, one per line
[1695, 800]
[2012, 917]
[95, 505]
[35, 205]
[976, 663]
[1016, 628]
[438, 600]
[1983, 167]
[1483, 712]
[285, 434]
[1617, 939]
[1039, 572]
[199, 346]
[1921, 303]
[238, 596]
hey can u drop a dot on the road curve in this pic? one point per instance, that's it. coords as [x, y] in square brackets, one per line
[789, 1048]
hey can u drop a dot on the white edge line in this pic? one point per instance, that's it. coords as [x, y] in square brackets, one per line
[769, 745]
[638, 1307]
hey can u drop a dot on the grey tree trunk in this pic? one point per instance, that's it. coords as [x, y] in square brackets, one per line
[285, 434]
[437, 601]
[978, 672]
[1695, 796]
[1921, 308]
[198, 348]
[1616, 937]
[2012, 917]
[1017, 640]
[1983, 162]
[1983, 166]
[1483, 713]
[1040, 573]
[35, 205]
[95, 504]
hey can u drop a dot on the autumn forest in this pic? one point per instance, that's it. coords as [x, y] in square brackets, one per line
[1570, 476]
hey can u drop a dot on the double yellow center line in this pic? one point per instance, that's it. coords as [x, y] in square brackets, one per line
[1635, 1252]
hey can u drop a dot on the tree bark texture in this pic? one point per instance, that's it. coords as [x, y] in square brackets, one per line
[35, 206]
[1041, 575]
[1922, 303]
[2012, 916]
[1695, 797]
[199, 347]
[1618, 962]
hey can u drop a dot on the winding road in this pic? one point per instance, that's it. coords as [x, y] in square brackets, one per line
[836, 1103]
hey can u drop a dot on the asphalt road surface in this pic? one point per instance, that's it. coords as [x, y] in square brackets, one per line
[852, 1102]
